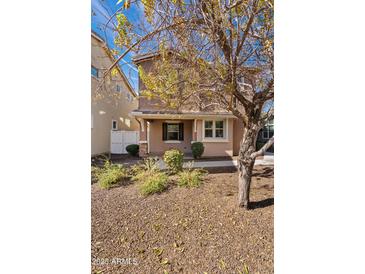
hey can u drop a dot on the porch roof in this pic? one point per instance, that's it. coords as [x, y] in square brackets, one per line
[150, 114]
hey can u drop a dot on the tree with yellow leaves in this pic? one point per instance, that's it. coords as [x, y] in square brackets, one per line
[218, 50]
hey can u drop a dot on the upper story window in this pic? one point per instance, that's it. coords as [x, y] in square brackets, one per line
[118, 89]
[114, 125]
[129, 97]
[215, 129]
[94, 72]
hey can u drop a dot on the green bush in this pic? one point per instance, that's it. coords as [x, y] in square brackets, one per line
[111, 174]
[197, 149]
[174, 160]
[154, 182]
[132, 149]
[190, 177]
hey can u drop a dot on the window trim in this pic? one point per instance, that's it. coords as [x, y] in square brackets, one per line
[216, 139]
[116, 123]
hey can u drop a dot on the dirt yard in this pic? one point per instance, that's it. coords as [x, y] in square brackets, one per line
[199, 230]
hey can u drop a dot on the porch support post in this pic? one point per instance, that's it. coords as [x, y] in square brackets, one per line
[194, 139]
[143, 144]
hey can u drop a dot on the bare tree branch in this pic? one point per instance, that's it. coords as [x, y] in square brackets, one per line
[263, 149]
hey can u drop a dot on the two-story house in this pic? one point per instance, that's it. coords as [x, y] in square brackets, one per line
[162, 129]
[111, 103]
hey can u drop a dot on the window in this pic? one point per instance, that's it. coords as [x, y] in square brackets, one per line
[114, 125]
[219, 129]
[129, 97]
[208, 125]
[94, 72]
[267, 132]
[173, 131]
[118, 88]
[214, 129]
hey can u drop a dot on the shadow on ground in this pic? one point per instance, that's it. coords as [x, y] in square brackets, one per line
[262, 203]
[266, 172]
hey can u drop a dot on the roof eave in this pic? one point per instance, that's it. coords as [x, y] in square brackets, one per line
[192, 115]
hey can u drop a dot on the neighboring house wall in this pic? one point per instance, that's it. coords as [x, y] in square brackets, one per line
[265, 134]
[111, 104]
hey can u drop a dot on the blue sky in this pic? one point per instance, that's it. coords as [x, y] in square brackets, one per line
[101, 12]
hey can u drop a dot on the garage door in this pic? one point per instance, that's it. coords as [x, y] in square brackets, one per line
[120, 139]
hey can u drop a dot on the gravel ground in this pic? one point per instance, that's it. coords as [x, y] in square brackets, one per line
[185, 230]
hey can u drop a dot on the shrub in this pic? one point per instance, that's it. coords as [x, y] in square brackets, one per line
[111, 174]
[155, 182]
[132, 149]
[174, 160]
[95, 173]
[197, 149]
[149, 165]
[190, 177]
[151, 179]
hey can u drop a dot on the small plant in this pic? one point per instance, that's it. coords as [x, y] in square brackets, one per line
[245, 270]
[139, 171]
[174, 160]
[197, 149]
[190, 177]
[150, 164]
[111, 174]
[95, 173]
[154, 182]
[132, 149]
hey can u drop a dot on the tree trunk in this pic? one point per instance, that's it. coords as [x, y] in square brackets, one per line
[245, 166]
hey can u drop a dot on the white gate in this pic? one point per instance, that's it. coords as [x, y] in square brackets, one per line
[120, 139]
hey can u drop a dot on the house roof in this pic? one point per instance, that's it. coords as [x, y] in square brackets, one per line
[105, 47]
[144, 57]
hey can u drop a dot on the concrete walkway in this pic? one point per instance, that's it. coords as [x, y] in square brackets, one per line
[267, 160]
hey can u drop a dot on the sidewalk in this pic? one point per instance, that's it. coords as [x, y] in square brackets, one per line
[267, 160]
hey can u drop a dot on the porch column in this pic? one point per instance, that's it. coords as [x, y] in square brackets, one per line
[195, 134]
[143, 144]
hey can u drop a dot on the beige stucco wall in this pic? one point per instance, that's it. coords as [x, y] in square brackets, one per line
[213, 148]
[109, 104]
[158, 146]
[155, 104]
[144, 103]
[237, 135]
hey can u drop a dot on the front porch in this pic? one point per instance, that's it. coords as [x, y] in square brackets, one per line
[161, 132]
